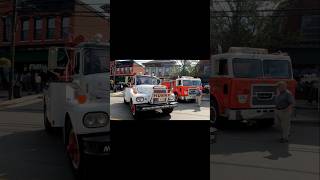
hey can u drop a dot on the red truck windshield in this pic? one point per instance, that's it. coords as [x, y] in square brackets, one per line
[255, 68]
[191, 83]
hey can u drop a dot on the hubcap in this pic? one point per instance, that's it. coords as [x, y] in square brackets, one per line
[73, 150]
[133, 109]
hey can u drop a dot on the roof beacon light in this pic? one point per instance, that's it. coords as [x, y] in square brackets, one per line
[248, 50]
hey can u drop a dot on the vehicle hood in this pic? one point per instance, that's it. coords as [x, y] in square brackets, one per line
[148, 89]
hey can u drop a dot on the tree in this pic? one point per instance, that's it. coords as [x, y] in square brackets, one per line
[249, 23]
[187, 67]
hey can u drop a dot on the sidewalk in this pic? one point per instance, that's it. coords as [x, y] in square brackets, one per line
[306, 112]
[25, 97]
[116, 94]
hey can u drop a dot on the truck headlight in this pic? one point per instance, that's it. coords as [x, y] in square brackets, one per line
[95, 120]
[242, 98]
[140, 99]
[171, 98]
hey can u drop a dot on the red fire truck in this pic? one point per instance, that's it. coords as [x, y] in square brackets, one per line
[244, 84]
[184, 88]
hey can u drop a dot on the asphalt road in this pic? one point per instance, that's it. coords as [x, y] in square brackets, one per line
[184, 111]
[252, 153]
[27, 151]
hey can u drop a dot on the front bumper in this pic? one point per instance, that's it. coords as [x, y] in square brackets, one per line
[148, 107]
[246, 114]
[189, 97]
[96, 144]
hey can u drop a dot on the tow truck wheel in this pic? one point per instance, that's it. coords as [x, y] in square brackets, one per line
[74, 151]
[133, 109]
[167, 110]
[47, 125]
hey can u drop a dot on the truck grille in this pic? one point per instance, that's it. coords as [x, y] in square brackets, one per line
[192, 92]
[263, 95]
[160, 96]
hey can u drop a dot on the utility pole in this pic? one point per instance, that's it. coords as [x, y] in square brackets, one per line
[13, 47]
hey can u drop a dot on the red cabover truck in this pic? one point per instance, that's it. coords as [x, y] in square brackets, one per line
[184, 88]
[244, 81]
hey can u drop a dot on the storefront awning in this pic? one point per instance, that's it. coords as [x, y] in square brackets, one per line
[32, 57]
[4, 62]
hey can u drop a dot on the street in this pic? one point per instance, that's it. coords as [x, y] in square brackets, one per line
[250, 153]
[184, 111]
[26, 150]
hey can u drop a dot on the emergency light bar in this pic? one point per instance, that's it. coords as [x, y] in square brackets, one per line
[248, 50]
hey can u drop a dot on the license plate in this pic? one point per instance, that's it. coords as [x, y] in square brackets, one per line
[161, 99]
[159, 95]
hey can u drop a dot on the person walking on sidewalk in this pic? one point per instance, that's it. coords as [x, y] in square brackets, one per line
[198, 96]
[284, 105]
[38, 82]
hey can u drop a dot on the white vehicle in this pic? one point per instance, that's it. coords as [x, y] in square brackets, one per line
[79, 103]
[145, 93]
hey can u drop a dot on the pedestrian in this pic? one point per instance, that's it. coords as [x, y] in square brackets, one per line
[28, 82]
[198, 96]
[284, 104]
[38, 82]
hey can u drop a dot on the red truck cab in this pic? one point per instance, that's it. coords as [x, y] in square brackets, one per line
[185, 87]
[244, 82]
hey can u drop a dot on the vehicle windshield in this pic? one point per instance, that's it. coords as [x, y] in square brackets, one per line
[247, 68]
[276, 68]
[254, 68]
[147, 80]
[191, 83]
[95, 61]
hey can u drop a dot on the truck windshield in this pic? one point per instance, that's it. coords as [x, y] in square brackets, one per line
[147, 80]
[191, 83]
[247, 68]
[276, 68]
[253, 68]
[95, 61]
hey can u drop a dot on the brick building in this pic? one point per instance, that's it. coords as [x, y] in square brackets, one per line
[164, 69]
[121, 71]
[40, 25]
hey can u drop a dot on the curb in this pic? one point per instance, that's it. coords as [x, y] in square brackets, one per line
[116, 95]
[20, 100]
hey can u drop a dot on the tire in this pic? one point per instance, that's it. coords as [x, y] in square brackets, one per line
[133, 110]
[167, 110]
[74, 152]
[214, 113]
[47, 126]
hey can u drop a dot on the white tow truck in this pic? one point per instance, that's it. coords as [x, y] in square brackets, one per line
[77, 101]
[146, 94]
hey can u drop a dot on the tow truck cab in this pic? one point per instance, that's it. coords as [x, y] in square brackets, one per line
[77, 100]
[244, 83]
